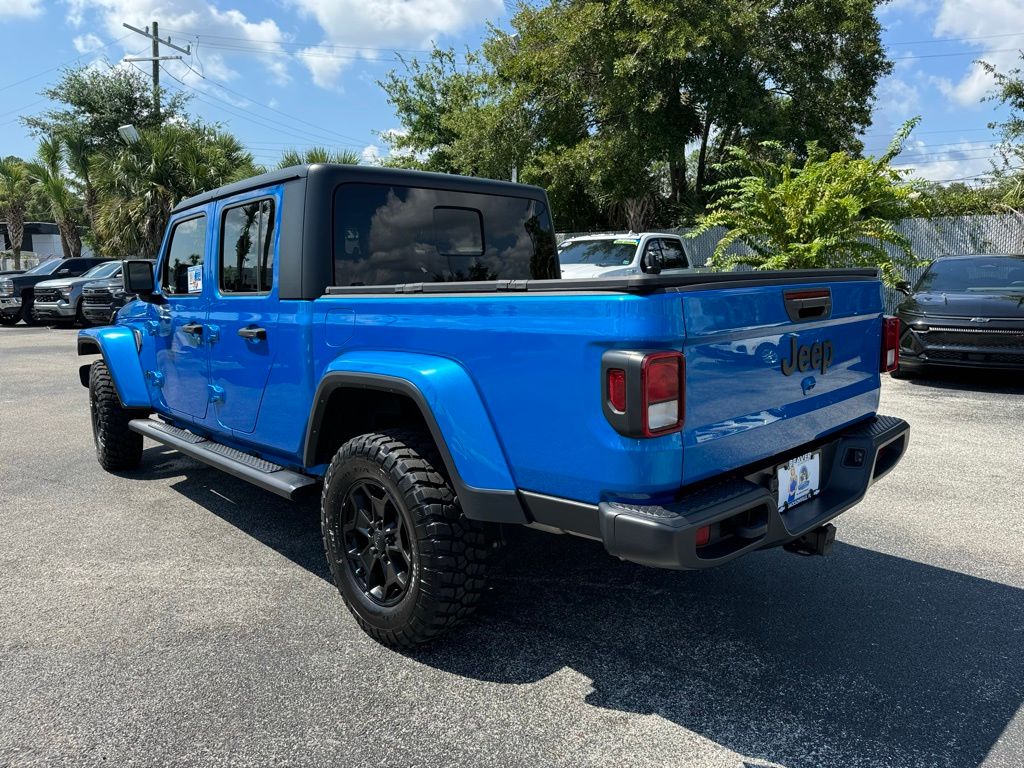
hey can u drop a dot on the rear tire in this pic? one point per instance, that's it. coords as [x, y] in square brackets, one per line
[117, 447]
[409, 565]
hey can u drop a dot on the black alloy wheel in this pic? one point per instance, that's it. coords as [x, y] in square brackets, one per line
[377, 543]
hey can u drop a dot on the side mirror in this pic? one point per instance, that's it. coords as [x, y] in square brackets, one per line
[904, 287]
[652, 262]
[140, 280]
[64, 271]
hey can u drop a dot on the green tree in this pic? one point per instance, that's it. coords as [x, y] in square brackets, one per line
[959, 199]
[139, 184]
[92, 105]
[317, 155]
[1009, 92]
[49, 177]
[833, 210]
[606, 98]
[15, 194]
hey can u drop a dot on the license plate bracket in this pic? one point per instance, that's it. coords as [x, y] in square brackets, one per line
[799, 480]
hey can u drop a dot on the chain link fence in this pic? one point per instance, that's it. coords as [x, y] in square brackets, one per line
[930, 239]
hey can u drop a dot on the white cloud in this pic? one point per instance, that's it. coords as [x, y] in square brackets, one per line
[87, 43]
[991, 19]
[180, 18]
[898, 100]
[355, 28]
[20, 9]
[370, 155]
[325, 68]
[946, 162]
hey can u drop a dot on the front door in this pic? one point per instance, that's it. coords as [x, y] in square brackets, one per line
[244, 306]
[182, 366]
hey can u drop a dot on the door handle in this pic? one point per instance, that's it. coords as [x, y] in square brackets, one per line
[195, 329]
[253, 334]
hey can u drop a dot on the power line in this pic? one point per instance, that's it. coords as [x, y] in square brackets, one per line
[261, 120]
[958, 39]
[957, 53]
[272, 109]
[62, 64]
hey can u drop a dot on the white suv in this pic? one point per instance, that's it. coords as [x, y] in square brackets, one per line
[632, 254]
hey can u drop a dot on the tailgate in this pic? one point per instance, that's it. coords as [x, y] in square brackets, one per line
[772, 367]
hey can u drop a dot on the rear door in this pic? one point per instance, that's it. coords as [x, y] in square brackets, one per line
[181, 352]
[772, 367]
[244, 306]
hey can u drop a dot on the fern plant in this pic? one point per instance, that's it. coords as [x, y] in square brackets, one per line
[834, 210]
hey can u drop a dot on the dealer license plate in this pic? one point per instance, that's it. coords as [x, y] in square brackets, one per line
[799, 479]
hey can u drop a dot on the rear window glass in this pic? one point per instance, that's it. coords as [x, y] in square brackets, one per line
[387, 235]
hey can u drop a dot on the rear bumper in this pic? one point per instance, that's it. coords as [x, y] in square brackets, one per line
[742, 512]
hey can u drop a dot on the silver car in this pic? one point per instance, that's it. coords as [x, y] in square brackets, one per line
[61, 298]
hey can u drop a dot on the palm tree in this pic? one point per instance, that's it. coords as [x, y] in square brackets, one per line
[15, 193]
[78, 153]
[48, 176]
[139, 184]
[317, 155]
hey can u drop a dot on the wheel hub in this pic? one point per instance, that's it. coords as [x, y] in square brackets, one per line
[376, 541]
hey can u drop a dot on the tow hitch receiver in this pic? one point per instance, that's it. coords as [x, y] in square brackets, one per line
[816, 542]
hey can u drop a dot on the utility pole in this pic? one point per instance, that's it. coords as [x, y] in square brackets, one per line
[156, 58]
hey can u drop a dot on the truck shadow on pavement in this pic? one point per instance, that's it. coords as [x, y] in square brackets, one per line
[991, 382]
[859, 658]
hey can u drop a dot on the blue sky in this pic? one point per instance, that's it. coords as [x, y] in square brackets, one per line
[293, 73]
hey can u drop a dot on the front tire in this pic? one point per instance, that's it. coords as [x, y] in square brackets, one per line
[80, 317]
[407, 562]
[27, 315]
[117, 447]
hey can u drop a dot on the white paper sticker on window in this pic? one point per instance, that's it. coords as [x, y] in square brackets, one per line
[195, 279]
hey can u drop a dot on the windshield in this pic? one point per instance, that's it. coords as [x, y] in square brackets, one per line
[45, 267]
[979, 274]
[107, 269]
[601, 253]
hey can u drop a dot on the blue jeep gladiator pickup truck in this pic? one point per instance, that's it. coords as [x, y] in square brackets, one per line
[403, 339]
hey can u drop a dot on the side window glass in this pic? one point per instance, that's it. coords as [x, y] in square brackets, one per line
[183, 267]
[247, 248]
[673, 255]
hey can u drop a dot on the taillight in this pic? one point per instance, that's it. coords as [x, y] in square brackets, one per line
[890, 344]
[643, 392]
[662, 377]
[617, 389]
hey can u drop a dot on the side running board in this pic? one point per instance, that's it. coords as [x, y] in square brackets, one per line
[260, 472]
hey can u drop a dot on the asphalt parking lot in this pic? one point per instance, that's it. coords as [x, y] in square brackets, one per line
[180, 616]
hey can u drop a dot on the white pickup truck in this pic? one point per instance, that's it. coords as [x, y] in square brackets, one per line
[629, 254]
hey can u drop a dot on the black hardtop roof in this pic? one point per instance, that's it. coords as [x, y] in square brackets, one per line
[368, 174]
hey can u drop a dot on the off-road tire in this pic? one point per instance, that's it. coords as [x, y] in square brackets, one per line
[449, 552]
[117, 447]
[10, 320]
